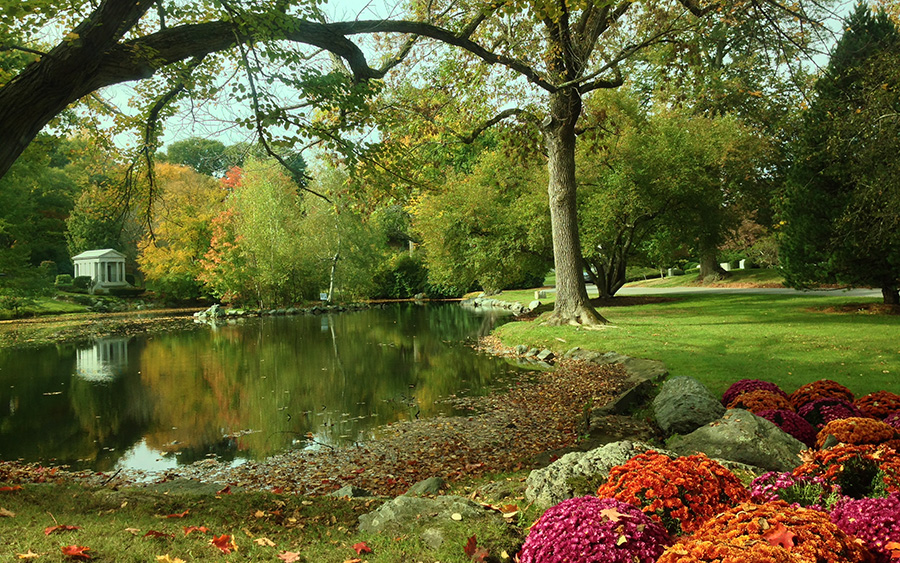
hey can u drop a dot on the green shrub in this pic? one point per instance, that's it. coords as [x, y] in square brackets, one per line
[63, 280]
[126, 291]
[82, 282]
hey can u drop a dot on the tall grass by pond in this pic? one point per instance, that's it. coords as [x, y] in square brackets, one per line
[718, 339]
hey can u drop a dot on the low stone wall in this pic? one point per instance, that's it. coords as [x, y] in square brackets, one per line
[218, 312]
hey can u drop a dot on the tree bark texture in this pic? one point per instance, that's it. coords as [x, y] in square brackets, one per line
[572, 303]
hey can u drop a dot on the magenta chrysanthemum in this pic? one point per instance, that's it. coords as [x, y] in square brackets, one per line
[745, 385]
[594, 530]
[822, 411]
[876, 521]
[793, 424]
[808, 491]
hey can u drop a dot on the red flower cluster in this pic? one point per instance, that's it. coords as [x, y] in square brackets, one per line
[879, 404]
[857, 431]
[821, 389]
[680, 493]
[768, 533]
[760, 400]
[860, 471]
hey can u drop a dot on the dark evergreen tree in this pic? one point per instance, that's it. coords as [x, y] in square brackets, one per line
[826, 207]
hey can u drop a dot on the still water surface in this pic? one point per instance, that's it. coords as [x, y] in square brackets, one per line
[239, 391]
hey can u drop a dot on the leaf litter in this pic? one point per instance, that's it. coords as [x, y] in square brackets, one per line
[537, 412]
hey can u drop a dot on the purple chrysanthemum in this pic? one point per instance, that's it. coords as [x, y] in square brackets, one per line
[807, 491]
[822, 411]
[745, 385]
[876, 521]
[594, 530]
[793, 424]
[893, 419]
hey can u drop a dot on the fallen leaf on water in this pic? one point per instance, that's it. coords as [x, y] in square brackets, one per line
[264, 541]
[166, 559]
[289, 556]
[225, 543]
[361, 548]
[29, 555]
[54, 529]
[6, 513]
[201, 529]
[76, 551]
[155, 534]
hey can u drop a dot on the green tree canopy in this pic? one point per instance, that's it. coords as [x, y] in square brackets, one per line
[839, 225]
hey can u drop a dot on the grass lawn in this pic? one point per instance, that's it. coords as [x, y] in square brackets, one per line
[718, 339]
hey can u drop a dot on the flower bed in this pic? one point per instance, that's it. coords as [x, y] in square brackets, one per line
[857, 431]
[860, 471]
[807, 536]
[760, 400]
[680, 493]
[808, 491]
[589, 530]
[879, 404]
[793, 424]
[822, 411]
[821, 389]
[876, 521]
[746, 385]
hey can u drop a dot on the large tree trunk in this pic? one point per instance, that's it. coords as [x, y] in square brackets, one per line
[709, 265]
[890, 295]
[572, 304]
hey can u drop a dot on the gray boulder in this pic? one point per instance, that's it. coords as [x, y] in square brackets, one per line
[351, 492]
[550, 485]
[684, 404]
[404, 513]
[430, 486]
[744, 437]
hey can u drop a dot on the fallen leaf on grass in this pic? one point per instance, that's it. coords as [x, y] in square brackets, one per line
[474, 552]
[289, 556]
[225, 491]
[76, 551]
[178, 515]
[10, 489]
[133, 531]
[54, 529]
[354, 560]
[166, 559]
[201, 529]
[225, 543]
[361, 548]
[155, 534]
[265, 542]
[29, 555]
[6, 513]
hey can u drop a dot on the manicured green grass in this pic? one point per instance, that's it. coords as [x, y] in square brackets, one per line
[757, 276]
[135, 525]
[718, 339]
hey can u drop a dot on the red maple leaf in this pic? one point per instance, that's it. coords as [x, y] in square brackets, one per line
[155, 534]
[53, 529]
[224, 542]
[361, 548]
[189, 529]
[179, 514]
[779, 535]
[474, 552]
[10, 489]
[76, 551]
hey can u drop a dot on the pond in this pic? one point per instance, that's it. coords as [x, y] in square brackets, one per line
[239, 391]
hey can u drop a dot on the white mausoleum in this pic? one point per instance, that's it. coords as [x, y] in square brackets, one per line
[105, 267]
